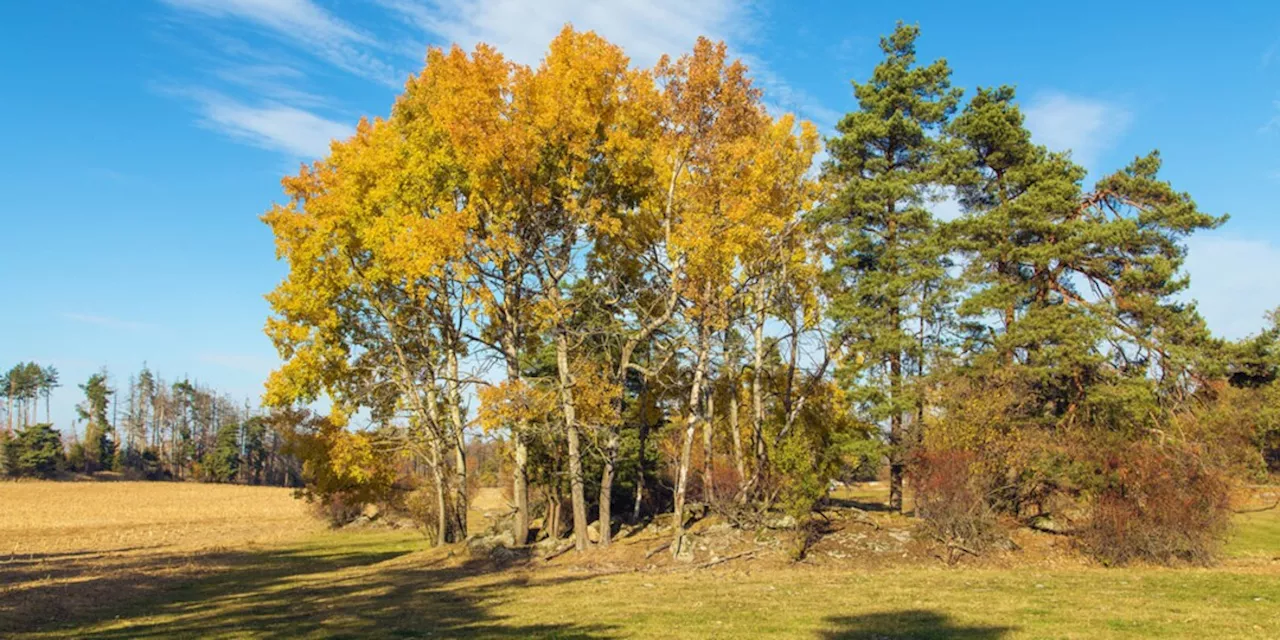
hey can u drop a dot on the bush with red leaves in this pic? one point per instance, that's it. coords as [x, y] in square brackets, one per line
[951, 503]
[1158, 504]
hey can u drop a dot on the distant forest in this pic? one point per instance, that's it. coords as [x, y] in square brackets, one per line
[148, 429]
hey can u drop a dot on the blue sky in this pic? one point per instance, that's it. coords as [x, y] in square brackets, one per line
[144, 138]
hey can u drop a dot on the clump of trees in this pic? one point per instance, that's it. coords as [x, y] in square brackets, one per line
[180, 431]
[653, 298]
[22, 387]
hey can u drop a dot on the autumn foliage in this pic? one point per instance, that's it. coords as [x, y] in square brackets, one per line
[637, 281]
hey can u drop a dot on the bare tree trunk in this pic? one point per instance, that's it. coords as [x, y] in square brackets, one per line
[757, 398]
[442, 505]
[735, 432]
[686, 449]
[520, 489]
[708, 462]
[576, 489]
[511, 330]
[458, 440]
[606, 488]
[642, 436]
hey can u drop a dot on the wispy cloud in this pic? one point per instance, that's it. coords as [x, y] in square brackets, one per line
[1273, 124]
[271, 125]
[782, 97]
[107, 321]
[521, 29]
[272, 81]
[1086, 127]
[307, 26]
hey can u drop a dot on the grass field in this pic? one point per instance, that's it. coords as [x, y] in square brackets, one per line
[124, 560]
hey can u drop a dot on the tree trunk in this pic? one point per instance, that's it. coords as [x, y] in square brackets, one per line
[576, 489]
[458, 440]
[686, 449]
[442, 505]
[897, 464]
[520, 474]
[641, 437]
[606, 489]
[520, 489]
[708, 462]
[757, 397]
[738, 464]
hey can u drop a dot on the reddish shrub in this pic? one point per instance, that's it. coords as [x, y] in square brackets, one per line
[338, 509]
[950, 501]
[1159, 504]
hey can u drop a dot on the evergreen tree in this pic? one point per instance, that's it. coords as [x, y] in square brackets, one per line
[223, 462]
[38, 451]
[99, 448]
[888, 269]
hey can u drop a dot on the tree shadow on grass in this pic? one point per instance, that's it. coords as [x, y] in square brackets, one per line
[900, 625]
[355, 591]
[863, 504]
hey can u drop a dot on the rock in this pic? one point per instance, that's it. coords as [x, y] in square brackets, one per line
[1048, 525]
[485, 544]
[783, 522]
[719, 528]
[685, 554]
[593, 532]
[900, 536]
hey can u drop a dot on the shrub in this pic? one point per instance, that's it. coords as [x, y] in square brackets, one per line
[950, 501]
[76, 457]
[1158, 504]
[39, 451]
[339, 508]
[33, 451]
[420, 506]
[8, 455]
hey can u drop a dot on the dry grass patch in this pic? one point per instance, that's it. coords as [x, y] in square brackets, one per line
[74, 517]
[68, 547]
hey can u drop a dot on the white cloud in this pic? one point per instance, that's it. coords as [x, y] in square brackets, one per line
[307, 26]
[273, 82]
[273, 126]
[107, 321]
[522, 29]
[1231, 278]
[1084, 126]
[781, 97]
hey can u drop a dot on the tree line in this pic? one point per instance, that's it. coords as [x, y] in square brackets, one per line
[653, 296]
[158, 430]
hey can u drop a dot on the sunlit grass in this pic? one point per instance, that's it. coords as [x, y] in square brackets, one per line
[323, 583]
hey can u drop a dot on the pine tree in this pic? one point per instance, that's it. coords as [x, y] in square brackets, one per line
[889, 259]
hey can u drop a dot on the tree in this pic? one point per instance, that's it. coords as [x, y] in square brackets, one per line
[366, 316]
[224, 461]
[889, 260]
[99, 446]
[1072, 309]
[48, 382]
[38, 451]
